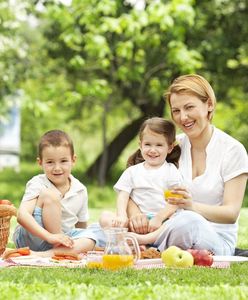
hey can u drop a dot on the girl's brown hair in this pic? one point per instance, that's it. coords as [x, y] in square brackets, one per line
[55, 138]
[165, 128]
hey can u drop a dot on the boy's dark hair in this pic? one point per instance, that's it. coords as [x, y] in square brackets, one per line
[159, 126]
[55, 138]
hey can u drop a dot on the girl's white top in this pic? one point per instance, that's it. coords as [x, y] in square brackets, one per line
[226, 159]
[146, 186]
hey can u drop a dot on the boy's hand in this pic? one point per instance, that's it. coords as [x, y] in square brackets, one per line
[120, 221]
[60, 239]
[154, 224]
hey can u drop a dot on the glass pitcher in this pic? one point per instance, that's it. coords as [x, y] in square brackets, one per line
[117, 253]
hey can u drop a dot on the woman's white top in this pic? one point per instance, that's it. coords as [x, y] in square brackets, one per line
[226, 159]
[146, 186]
[74, 204]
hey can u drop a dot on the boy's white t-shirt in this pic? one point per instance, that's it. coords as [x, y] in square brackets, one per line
[146, 186]
[226, 159]
[74, 204]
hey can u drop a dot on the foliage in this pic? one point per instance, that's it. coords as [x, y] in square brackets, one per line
[12, 55]
[104, 57]
[92, 72]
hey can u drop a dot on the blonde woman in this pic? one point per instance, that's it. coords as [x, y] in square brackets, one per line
[215, 168]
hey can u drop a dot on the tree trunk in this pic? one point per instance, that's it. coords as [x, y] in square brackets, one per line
[104, 157]
[115, 148]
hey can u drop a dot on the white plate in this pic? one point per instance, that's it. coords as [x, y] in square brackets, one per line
[229, 258]
[149, 261]
[23, 257]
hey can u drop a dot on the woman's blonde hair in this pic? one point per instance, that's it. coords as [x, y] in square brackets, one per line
[193, 84]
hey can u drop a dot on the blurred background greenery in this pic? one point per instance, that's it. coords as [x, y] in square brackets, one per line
[96, 69]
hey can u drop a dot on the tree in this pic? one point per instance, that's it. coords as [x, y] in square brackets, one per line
[135, 53]
[114, 59]
[12, 53]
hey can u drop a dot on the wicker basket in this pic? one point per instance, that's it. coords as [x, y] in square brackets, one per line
[6, 212]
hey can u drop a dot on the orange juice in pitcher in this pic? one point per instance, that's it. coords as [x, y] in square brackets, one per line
[117, 253]
[117, 261]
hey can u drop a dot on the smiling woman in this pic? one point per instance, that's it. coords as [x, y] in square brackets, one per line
[214, 166]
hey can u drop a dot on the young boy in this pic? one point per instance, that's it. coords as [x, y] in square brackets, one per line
[54, 209]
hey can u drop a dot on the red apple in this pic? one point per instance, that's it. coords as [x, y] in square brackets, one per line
[202, 257]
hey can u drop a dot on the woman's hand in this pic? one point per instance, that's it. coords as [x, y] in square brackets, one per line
[184, 202]
[139, 223]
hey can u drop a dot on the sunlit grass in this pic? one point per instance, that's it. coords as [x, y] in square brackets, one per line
[196, 283]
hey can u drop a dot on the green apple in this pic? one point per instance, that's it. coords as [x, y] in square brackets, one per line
[176, 257]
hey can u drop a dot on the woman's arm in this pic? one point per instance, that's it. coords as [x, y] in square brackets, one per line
[226, 213]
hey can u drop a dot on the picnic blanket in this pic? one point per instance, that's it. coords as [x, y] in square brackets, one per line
[219, 262]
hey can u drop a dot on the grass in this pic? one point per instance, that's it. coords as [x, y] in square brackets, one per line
[63, 283]
[194, 283]
[188, 284]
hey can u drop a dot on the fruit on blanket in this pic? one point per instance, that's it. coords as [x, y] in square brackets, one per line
[176, 257]
[23, 251]
[202, 257]
[8, 253]
[63, 257]
[5, 202]
[68, 255]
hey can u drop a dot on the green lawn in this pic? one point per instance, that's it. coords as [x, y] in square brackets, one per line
[187, 284]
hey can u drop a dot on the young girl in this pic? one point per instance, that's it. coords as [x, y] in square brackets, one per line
[146, 182]
[54, 209]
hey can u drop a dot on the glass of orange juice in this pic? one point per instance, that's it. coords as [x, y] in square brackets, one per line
[172, 185]
[94, 259]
